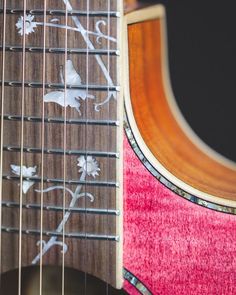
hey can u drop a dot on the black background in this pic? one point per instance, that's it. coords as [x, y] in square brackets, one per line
[202, 57]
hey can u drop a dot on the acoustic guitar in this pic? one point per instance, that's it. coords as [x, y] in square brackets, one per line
[73, 221]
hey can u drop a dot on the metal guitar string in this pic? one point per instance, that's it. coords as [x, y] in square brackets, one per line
[2, 120]
[108, 139]
[42, 152]
[64, 148]
[21, 152]
[85, 141]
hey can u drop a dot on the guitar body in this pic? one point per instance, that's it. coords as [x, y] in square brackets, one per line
[174, 243]
[171, 245]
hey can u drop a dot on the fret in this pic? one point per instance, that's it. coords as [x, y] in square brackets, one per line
[33, 49]
[36, 119]
[62, 181]
[99, 138]
[62, 86]
[58, 12]
[58, 27]
[8, 204]
[88, 236]
[61, 152]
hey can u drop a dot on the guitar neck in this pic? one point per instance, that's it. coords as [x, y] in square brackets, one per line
[61, 118]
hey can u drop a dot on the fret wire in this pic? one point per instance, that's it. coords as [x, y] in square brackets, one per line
[9, 204]
[60, 181]
[89, 236]
[60, 86]
[36, 119]
[58, 12]
[2, 124]
[53, 151]
[32, 49]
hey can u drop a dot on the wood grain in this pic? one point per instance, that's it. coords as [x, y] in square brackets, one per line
[98, 258]
[163, 135]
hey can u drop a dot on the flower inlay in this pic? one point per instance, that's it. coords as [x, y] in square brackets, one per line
[26, 172]
[30, 25]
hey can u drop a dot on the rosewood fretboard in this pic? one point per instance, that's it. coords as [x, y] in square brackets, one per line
[73, 151]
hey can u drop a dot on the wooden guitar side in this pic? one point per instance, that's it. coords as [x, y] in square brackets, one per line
[160, 129]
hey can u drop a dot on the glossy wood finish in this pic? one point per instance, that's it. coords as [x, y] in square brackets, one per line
[100, 258]
[157, 124]
[131, 5]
